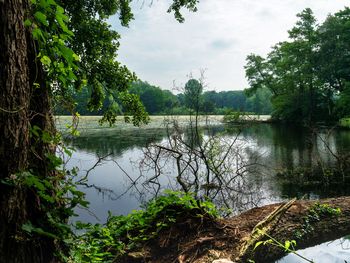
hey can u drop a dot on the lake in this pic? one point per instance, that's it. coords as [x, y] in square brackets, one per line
[280, 162]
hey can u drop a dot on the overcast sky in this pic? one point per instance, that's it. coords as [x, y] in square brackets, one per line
[217, 38]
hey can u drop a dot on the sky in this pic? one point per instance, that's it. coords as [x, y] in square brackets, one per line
[216, 39]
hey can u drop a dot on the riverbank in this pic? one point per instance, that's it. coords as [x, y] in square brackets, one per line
[232, 238]
[177, 228]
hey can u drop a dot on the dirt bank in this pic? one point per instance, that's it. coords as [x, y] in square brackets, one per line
[204, 239]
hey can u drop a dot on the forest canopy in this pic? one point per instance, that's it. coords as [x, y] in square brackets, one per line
[308, 75]
[158, 101]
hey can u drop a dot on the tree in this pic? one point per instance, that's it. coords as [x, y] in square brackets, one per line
[24, 103]
[308, 75]
[155, 100]
[38, 65]
[289, 73]
[333, 62]
[193, 94]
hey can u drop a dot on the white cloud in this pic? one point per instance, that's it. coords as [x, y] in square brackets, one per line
[218, 37]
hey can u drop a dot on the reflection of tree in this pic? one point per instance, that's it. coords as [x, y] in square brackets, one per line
[290, 147]
[233, 183]
[211, 166]
[301, 156]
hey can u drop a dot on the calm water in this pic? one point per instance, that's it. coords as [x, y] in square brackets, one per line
[337, 251]
[116, 183]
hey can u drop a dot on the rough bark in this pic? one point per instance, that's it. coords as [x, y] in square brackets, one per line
[18, 205]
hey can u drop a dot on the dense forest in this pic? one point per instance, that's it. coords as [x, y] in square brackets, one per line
[305, 79]
[308, 75]
[158, 101]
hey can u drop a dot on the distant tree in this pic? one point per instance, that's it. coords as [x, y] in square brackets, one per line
[260, 102]
[193, 94]
[155, 100]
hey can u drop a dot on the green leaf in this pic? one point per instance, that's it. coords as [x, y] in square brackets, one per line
[76, 57]
[45, 60]
[37, 34]
[28, 227]
[59, 10]
[52, 2]
[40, 17]
[61, 19]
[67, 53]
[27, 22]
[257, 244]
[287, 244]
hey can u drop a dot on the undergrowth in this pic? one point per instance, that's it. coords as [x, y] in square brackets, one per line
[315, 214]
[105, 243]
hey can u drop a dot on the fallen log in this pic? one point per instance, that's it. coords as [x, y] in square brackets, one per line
[307, 222]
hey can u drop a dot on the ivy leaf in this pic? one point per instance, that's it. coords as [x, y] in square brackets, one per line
[286, 245]
[28, 227]
[52, 2]
[45, 60]
[37, 34]
[61, 18]
[41, 18]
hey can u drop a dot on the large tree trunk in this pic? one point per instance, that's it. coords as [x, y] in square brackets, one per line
[20, 106]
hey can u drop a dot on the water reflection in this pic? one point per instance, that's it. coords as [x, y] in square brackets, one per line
[279, 148]
[337, 251]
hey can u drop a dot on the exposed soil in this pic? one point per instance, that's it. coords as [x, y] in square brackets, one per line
[204, 239]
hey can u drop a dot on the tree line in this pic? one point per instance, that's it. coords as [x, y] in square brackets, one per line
[158, 101]
[309, 74]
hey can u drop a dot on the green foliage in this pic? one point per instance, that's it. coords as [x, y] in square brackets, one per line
[178, 4]
[96, 45]
[344, 122]
[315, 214]
[193, 94]
[232, 116]
[56, 196]
[163, 102]
[123, 233]
[49, 29]
[288, 246]
[308, 74]
[132, 104]
[155, 100]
